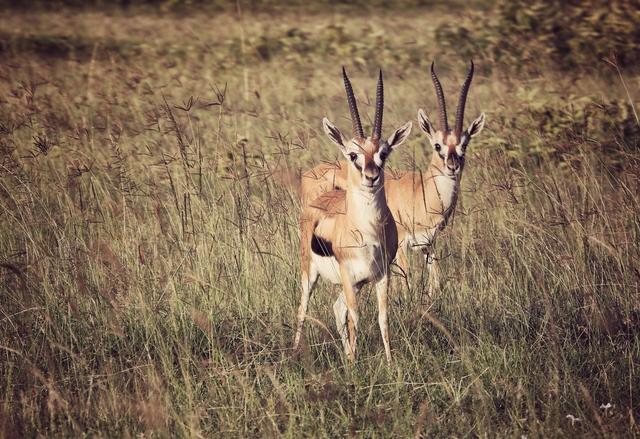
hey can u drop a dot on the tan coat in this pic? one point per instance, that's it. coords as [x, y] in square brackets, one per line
[421, 202]
[358, 232]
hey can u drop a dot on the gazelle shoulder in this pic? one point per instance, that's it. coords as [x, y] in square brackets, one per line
[329, 203]
[325, 170]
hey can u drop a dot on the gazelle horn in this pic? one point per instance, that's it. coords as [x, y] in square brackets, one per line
[442, 106]
[463, 101]
[353, 107]
[377, 121]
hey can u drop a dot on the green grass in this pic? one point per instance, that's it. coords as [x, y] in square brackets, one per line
[149, 239]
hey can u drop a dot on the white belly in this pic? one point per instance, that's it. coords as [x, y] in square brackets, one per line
[369, 265]
[327, 267]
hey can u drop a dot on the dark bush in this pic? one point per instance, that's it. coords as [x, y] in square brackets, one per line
[535, 34]
[550, 127]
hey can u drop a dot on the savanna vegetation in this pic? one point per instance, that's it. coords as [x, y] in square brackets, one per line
[149, 278]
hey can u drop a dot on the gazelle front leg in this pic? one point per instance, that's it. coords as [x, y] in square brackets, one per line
[433, 269]
[382, 288]
[309, 278]
[352, 310]
[402, 258]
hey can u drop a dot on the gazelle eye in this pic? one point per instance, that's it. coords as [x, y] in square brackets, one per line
[437, 146]
[353, 156]
[383, 155]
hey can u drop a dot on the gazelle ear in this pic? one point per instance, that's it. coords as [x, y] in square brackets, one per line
[476, 126]
[425, 124]
[399, 136]
[333, 133]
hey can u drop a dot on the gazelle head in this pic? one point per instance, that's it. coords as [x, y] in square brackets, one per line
[450, 146]
[366, 155]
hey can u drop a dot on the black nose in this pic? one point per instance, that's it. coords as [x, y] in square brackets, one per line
[452, 163]
[372, 179]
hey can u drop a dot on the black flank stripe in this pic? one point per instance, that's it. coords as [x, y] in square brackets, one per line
[321, 246]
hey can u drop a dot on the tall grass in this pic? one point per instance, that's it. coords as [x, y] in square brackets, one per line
[148, 247]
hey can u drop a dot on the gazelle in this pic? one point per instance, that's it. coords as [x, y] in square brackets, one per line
[421, 201]
[348, 236]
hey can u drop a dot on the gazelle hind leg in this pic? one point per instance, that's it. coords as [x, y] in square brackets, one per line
[309, 279]
[340, 311]
[381, 293]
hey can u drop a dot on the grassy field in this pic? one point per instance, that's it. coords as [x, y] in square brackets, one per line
[149, 275]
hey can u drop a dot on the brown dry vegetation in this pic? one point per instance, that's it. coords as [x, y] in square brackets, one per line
[148, 235]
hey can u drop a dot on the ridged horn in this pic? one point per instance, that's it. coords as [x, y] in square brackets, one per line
[377, 121]
[353, 107]
[463, 101]
[442, 106]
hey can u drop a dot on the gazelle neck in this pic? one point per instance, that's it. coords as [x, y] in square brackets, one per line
[447, 187]
[367, 209]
